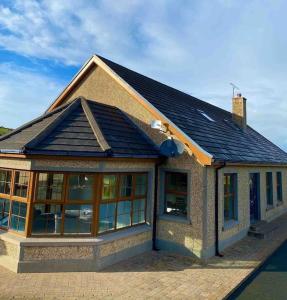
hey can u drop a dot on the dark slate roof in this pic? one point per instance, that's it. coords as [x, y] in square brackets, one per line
[81, 128]
[221, 138]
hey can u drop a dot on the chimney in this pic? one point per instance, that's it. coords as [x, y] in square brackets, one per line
[239, 111]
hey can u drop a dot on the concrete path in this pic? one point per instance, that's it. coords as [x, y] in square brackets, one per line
[151, 276]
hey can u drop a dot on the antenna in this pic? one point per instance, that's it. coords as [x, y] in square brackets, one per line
[234, 87]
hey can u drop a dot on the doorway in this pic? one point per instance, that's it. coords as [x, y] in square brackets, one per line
[254, 188]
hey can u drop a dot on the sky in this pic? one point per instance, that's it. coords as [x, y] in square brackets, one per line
[197, 46]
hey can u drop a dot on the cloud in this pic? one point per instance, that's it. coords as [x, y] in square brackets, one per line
[24, 94]
[196, 46]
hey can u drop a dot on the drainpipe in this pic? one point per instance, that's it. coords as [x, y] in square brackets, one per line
[154, 229]
[217, 253]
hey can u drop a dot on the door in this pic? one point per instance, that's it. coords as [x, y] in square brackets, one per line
[254, 187]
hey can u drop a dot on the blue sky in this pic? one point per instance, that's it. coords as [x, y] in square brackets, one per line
[196, 46]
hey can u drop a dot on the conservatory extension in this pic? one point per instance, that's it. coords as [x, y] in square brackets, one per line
[44, 204]
[76, 190]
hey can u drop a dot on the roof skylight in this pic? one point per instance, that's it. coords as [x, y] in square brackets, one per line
[205, 115]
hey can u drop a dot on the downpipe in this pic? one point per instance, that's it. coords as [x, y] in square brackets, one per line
[155, 205]
[216, 225]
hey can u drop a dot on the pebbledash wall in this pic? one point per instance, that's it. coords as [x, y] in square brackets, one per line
[191, 236]
[195, 235]
[184, 236]
[21, 254]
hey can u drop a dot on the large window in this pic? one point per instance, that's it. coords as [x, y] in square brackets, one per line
[269, 188]
[123, 201]
[18, 216]
[13, 205]
[47, 219]
[81, 187]
[4, 212]
[176, 194]
[279, 186]
[50, 187]
[85, 204]
[21, 183]
[5, 181]
[230, 197]
[78, 219]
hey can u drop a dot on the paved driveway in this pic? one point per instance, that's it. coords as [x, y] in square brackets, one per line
[154, 275]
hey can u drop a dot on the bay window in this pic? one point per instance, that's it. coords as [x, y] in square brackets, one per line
[123, 201]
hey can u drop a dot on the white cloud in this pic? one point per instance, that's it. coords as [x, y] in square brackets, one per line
[197, 46]
[24, 94]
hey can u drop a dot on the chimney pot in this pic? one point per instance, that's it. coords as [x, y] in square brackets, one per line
[239, 115]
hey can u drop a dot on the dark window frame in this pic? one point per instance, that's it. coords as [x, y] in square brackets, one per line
[279, 188]
[175, 192]
[230, 197]
[269, 189]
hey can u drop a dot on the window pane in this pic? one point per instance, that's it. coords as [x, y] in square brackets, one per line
[50, 186]
[107, 217]
[18, 216]
[176, 182]
[269, 188]
[4, 212]
[124, 214]
[176, 204]
[21, 183]
[46, 219]
[139, 211]
[176, 194]
[279, 186]
[126, 185]
[81, 187]
[230, 196]
[109, 187]
[5, 181]
[141, 185]
[78, 219]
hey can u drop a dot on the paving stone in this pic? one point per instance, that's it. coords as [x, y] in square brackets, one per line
[155, 275]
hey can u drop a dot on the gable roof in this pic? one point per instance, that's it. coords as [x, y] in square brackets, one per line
[81, 128]
[204, 127]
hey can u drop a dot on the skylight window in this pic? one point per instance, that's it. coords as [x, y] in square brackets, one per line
[205, 115]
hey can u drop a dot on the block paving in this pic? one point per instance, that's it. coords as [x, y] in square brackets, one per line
[154, 275]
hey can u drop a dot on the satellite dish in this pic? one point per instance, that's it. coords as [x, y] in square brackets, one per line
[171, 148]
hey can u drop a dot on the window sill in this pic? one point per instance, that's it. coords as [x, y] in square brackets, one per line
[75, 241]
[229, 225]
[269, 207]
[176, 219]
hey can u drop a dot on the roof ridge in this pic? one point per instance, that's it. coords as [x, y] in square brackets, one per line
[164, 84]
[52, 125]
[94, 125]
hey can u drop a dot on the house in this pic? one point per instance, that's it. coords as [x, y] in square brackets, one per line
[86, 185]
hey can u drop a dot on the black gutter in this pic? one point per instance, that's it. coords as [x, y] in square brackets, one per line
[154, 228]
[216, 225]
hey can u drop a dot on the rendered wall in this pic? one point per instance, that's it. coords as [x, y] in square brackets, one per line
[230, 234]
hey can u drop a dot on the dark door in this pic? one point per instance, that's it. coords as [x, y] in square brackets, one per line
[254, 186]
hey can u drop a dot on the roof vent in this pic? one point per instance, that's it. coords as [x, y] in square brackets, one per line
[205, 115]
